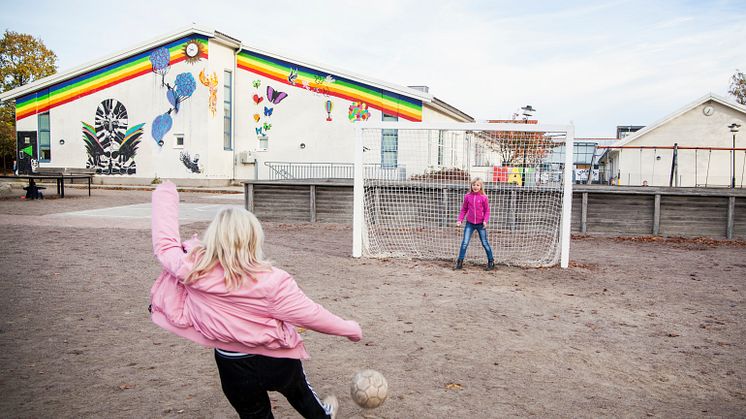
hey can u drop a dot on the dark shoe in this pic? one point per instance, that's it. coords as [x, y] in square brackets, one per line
[459, 264]
[490, 265]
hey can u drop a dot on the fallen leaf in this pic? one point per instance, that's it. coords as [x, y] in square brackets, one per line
[454, 386]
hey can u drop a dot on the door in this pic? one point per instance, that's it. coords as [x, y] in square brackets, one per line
[27, 157]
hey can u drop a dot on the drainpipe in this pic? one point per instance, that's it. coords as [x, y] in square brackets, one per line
[234, 103]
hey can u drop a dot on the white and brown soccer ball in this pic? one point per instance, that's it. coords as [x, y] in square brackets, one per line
[369, 389]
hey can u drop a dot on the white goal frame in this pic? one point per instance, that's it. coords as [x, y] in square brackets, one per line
[358, 224]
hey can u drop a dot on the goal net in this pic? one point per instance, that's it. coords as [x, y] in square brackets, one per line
[410, 182]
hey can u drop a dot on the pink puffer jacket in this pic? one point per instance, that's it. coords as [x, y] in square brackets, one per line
[258, 318]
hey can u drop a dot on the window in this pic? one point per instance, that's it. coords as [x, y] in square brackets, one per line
[45, 152]
[179, 143]
[227, 110]
[389, 144]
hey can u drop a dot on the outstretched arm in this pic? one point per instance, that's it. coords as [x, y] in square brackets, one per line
[167, 245]
[291, 305]
[464, 208]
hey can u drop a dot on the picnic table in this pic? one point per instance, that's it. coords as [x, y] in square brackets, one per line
[58, 177]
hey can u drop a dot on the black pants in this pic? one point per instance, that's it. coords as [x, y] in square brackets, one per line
[247, 380]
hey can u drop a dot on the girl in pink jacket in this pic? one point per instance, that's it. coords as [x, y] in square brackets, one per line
[222, 293]
[476, 209]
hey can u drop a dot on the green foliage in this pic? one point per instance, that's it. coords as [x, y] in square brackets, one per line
[738, 87]
[23, 59]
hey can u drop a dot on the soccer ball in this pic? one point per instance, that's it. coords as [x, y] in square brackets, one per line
[369, 389]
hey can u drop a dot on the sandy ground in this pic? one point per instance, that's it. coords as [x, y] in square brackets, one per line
[635, 328]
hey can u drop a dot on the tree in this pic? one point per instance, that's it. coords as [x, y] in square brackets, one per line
[23, 59]
[738, 87]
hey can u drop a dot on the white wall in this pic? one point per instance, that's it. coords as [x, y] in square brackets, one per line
[695, 129]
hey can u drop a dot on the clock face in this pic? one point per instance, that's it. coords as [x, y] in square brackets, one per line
[192, 50]
[708, 110]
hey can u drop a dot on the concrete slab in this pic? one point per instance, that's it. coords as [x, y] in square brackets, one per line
[187, 212]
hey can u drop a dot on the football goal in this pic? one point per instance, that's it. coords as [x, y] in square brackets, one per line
[410, 180]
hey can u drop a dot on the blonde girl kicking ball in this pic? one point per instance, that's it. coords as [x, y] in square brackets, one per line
[222, 293]
[476, 210]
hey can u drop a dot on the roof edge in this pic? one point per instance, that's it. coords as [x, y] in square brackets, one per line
[402, 90]
[686, 108]
[102, 62]
[450, 109]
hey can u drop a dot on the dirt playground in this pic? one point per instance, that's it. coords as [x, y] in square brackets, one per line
[634, 328]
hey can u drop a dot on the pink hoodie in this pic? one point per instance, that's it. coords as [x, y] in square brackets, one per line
[258, 318]
[476, 208]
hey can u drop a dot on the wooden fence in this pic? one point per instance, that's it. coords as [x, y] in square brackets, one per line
[597, 209]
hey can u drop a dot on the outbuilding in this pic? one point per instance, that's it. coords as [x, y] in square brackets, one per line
[698, 145]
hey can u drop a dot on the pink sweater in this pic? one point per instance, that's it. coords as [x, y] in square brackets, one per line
[476, 208]
[258, 318]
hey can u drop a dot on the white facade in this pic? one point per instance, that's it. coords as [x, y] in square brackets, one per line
[702, 125]
[297, 127]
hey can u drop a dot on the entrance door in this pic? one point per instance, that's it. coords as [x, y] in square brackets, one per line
[27, 158]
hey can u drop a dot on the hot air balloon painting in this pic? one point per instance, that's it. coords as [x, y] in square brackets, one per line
[329, 107]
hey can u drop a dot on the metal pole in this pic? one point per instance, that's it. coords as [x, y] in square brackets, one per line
[733, 171]
[673, 163]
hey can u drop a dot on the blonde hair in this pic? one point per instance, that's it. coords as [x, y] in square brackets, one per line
[234, 240]
[481, 183]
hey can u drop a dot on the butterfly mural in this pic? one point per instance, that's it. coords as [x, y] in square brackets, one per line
[267, 126]
[257, 117]
[257, 99]
[292, 76]
[259, 131]
[256, 83]
[275, 96]
[268, 111]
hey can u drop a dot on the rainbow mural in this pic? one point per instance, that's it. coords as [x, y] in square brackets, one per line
[304, 77]
[91, 82]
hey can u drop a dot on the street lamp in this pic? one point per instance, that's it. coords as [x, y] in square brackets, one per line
[528, 111]
[734, 129]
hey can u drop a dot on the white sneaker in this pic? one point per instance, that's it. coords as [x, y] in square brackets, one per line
[333, 404]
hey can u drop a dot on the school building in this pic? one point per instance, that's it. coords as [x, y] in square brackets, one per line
[200, 107]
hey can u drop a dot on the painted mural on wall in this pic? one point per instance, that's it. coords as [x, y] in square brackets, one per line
[191, 163]
[211, 82]
[182, 89]
[327, 85]
[328, 106]
[358, 111]
[112, 145]
[107, 76]
[263, 118]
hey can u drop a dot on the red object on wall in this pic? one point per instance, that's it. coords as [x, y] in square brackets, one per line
[499, 174]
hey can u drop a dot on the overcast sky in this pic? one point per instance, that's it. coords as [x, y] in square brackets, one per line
[597, 64]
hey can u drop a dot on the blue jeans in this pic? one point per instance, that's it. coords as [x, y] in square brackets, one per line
[468, 231]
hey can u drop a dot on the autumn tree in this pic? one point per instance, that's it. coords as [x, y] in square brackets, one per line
[23, 59]
[738, 87]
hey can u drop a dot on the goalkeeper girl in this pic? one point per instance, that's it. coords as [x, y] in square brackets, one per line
[476, 209]
[222, 293]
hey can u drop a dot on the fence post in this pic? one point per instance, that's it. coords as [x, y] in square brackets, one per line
[731, 217]
[248, 196]
[657, 215]
[313, 203]
[584, 214]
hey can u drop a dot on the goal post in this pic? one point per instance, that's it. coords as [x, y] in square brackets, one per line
[410, 180]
